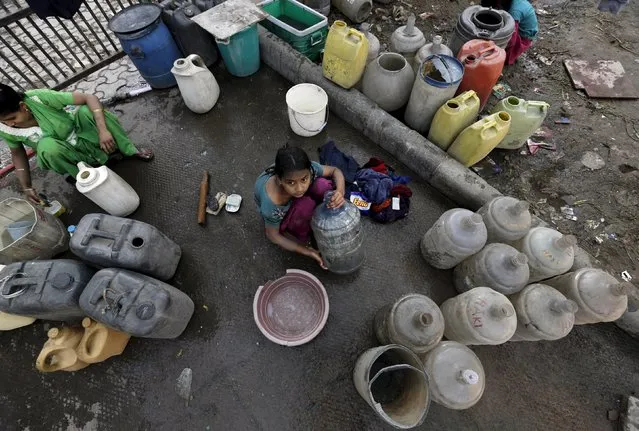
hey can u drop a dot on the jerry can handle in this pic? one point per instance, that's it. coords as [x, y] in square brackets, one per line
[538, 106]
[118, 239]
[482, 52]
[94, 232]
[136, 52]
[26, 283]
[196, 61]
[316, 38]
[488, 125]
[355, 34]
[467, 95]
[112, 303]
[98, 291]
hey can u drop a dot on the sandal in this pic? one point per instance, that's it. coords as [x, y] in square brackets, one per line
[215, 205]
[145, 154]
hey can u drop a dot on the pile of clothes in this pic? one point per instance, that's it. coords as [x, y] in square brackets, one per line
[375, 188]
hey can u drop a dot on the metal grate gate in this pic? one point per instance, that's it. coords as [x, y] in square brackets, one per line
[54, 52]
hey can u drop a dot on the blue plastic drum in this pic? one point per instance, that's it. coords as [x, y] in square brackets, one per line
[147, 42]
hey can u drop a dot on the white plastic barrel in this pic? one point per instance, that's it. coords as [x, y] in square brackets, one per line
[307, 109]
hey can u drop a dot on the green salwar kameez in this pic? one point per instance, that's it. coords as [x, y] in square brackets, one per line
[67, 134]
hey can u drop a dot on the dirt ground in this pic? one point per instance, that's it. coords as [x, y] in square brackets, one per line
[605, 201]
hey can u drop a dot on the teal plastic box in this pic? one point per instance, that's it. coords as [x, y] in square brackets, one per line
[297, 24]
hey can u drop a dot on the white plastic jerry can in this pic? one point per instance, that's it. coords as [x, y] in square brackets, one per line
[197, 84]
[107, 190]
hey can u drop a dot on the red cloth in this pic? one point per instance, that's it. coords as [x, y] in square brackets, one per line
[516, 46]
[379, 207]
[401, 190]
[377, 165]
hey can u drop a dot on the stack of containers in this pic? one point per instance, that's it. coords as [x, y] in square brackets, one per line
[510, 123]
[496, 255]
[517, 285]
[411, 326]
[415, 364]
[120, 298]
[120, 303]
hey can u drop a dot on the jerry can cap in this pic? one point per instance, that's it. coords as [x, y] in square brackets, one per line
[62, 280]
[87, 174]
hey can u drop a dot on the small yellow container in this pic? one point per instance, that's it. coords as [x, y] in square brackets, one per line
[453, 117]
[345, 55]
[100, 342]
[480, 138]
[58, 353]
[526, 117]
[55, 208]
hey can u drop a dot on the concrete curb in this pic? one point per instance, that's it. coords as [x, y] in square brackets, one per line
[433, 165]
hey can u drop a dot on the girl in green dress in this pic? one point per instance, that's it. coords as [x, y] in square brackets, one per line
[63, 129]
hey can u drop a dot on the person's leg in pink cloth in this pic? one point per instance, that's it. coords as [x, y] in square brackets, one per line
[297, 221]
[516, 46]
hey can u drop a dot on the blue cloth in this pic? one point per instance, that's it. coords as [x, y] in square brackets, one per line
[378, 165]
[330, 155]
[399, 179]
[524, 13]
[375, 186]
[271, 213]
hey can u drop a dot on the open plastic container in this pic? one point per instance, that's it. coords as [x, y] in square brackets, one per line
[29, 233]
[297, 24]
[291, 310]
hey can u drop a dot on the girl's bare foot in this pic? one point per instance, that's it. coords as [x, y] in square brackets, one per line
[144, 154]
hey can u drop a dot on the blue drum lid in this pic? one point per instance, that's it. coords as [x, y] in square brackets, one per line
[441, 70]
[135, 18]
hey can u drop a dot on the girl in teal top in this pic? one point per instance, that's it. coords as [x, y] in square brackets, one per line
[526, 26]
[287, 193]
[63, 129]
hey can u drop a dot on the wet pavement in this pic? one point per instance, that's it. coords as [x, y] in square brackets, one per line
[241, 381]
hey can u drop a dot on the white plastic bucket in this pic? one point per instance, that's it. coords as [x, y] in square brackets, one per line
[307, 109]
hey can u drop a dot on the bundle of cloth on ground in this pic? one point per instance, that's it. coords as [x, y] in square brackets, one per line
[376, 181]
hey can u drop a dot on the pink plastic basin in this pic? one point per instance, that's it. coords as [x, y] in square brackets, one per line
[291, 310]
